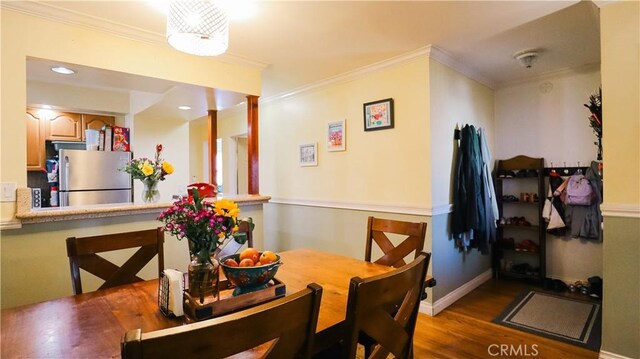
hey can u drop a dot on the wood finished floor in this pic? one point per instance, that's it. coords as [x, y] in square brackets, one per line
[464, 330]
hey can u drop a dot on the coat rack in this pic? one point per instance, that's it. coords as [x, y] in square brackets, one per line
[565, 171]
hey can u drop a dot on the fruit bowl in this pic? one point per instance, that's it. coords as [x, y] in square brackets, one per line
[249, 279]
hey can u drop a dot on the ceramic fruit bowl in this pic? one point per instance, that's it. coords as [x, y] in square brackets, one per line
[249, 279]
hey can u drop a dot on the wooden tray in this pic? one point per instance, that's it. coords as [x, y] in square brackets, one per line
[226, 303]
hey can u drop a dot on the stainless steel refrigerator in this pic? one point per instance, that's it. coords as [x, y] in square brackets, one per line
[92, 177]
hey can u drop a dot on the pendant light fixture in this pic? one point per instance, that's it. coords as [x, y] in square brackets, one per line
[198, 27]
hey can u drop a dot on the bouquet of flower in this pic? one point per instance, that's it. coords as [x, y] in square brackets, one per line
[205, 225]
[146, 169]
[595, 119]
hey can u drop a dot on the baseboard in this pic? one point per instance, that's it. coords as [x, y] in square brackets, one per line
[609, 355]
[442, 303]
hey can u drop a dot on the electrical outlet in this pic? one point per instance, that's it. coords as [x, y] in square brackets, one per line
[8, 191]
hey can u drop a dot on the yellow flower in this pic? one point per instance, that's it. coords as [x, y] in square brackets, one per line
[147, 169]
[167, 167]
[222, 235]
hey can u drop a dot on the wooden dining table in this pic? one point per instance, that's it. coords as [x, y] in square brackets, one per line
[91, 325]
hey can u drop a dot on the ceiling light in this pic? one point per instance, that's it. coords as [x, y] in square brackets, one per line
[184, 108]
[526, 57]
[63, 70]
[198, 27]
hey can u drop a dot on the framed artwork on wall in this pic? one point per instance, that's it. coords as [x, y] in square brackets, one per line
[308, 155]
[378, 115]
[336, 136]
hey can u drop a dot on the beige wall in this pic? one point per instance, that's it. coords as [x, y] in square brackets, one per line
[198, 135]
[377, 167]
[454, 100]
[231, 124]
[24, 36]
[79, 99]
[620, 46]
[173, 135]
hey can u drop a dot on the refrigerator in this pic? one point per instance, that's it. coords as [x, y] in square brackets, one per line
[93, 177]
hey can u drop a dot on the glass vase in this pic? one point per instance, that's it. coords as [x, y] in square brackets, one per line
[203, 278]
[150, 193]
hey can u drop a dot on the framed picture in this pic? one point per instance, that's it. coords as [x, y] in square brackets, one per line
[309, 154]
[336, 136]
[378, 115]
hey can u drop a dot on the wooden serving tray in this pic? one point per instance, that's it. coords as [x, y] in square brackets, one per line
[226, 303]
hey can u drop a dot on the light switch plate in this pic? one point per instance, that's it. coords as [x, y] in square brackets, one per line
[8, 191]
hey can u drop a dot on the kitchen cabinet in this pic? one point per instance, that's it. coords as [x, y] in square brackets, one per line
[96, 122]
[35, 141]
[64, 126]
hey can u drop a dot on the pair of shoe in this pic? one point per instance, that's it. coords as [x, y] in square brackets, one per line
[518, 221]
[506, 174]
[509, 198]
[528, 246]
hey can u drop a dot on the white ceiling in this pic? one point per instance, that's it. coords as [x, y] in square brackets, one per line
[303, 42]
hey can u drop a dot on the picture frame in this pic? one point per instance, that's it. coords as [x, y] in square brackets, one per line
[308, 154]
[336, 136]
[378, 115]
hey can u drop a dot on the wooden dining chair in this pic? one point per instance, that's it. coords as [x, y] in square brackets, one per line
[82, 252]
[385, 309]
[377, 230]
[287, 324]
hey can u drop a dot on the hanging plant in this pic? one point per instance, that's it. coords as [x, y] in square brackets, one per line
[595, 119]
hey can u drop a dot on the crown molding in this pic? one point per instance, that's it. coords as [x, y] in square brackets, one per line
[551, 74]
[48, 11]
[447, 59]
[350, 75]
[429, 51]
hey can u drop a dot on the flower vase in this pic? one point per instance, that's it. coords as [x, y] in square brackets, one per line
[150, 193]
[203, 278]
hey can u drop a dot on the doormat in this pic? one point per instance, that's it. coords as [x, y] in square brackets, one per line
[565, 319]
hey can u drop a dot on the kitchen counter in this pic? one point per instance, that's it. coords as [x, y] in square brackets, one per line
[25, 214]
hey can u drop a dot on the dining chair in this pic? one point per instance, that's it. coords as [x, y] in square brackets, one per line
[385, 309]
[83, 253]
[377, 230]
[284, 328]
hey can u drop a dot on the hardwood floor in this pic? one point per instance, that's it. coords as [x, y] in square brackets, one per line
[464, 330]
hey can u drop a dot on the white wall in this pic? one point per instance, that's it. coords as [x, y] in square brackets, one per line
[553, 124]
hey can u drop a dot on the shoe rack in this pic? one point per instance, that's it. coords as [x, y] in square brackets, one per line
[520, 251]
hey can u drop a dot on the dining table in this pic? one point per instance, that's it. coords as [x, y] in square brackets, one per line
[91, 325]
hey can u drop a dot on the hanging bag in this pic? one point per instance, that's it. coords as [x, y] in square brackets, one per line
[579, 191]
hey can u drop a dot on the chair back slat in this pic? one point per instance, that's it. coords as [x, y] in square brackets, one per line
[377, 229]
[82, 253]
[283, 328]
[385, 308]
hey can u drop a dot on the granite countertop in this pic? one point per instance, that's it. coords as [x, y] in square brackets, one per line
[25, 214]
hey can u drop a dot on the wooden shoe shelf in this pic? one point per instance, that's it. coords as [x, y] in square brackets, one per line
[509, 235]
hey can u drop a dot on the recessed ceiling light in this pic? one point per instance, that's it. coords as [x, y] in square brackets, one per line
[63, 70]
[184, 107]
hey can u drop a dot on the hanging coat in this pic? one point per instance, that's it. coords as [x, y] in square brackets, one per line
[468, 218]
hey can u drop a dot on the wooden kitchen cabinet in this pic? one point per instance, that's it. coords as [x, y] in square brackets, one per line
[35, 141]
[96, 122]
[64, 126]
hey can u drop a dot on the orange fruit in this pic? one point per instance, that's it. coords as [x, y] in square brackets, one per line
[231, 262]
[250, 253]
[268, 257]
[247, 262]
